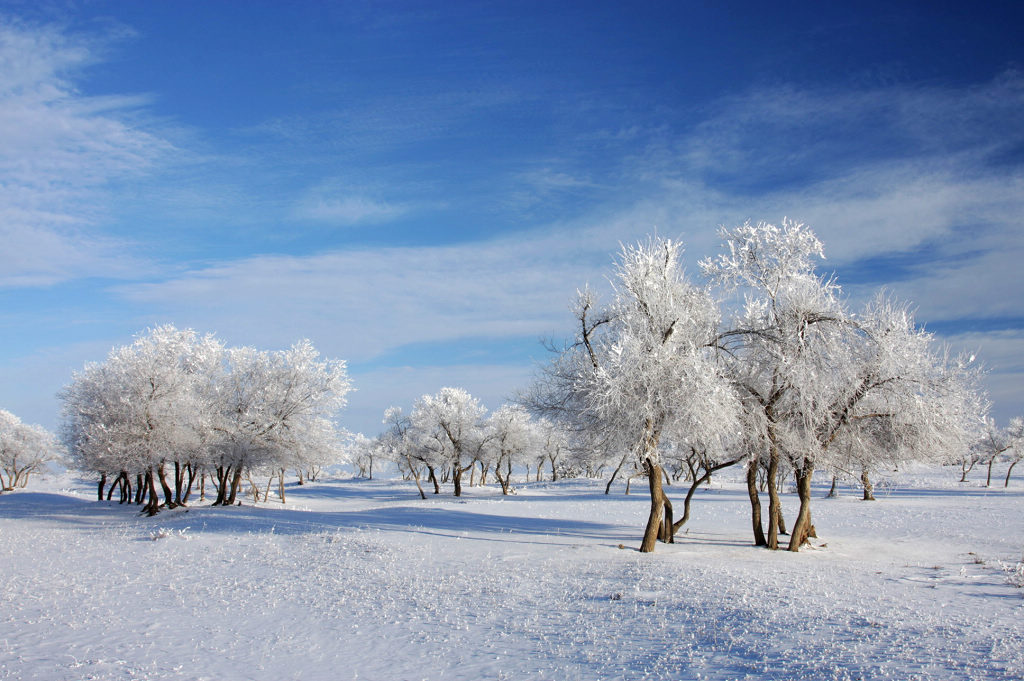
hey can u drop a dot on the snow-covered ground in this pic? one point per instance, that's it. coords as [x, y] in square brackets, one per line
[362, 580]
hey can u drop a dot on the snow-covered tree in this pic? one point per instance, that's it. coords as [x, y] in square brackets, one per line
[24, 449]
[554, 444]
[448, 429]
[174, 397]
[644, 369]
[995, 443]
[511, 434]
[814, 374]
[137, 411]
[274, 410]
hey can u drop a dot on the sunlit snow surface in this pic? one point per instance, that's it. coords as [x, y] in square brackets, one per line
[362, 580]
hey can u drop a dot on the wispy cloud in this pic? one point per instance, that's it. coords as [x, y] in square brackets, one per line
[58, 151]
[349, 210]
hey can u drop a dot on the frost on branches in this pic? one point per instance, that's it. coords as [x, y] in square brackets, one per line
[175, 400]
[793, 380]
[824, 386]
[644, 369]
[24, 449]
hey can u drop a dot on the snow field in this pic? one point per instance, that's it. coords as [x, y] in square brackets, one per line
[362, 580]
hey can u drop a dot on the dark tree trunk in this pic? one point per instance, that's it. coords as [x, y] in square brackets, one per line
[654, 524]
[667, 533]
[168, 494]
[102, 486]
[140, 488]
[152, 506]
[222, 488]
[433, 479]
[622, 461]
[1007, 483]
[191, 480]
[802, 528]
[755, 504]
[988, 480]
[457, 480]
[833, 491]
[179, 481]
[113, 486]
[774, 503]
[869, 489]
[236, 482]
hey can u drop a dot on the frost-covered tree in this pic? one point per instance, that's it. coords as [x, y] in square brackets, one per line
[511, 434]
[448, 426]
[814, 374]
[173, 397]
[132, 414]
[554, 444]
[272, 409]
[644, 369]
[995, 443]
[1016, 452]
[24, 449]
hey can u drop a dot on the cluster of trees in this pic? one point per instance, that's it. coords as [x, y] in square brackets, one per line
[793, 381]
[448, 435]
[995, 444]
[24, 449]
[174, 400]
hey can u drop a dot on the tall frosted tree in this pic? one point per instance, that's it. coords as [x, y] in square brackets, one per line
[644, 368]
[814, 375]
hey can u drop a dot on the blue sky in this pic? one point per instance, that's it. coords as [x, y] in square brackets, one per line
[419, 188]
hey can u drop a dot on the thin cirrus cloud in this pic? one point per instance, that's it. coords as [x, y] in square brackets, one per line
[59, 150]
[349, 210]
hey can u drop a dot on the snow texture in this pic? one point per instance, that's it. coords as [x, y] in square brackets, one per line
[362, 580]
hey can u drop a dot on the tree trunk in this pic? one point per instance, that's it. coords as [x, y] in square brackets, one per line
[869, 489]
[667, 533]
[222, 487]
[988, 480]
[457, 479]
[152, 506]
[774, 503]
[833, 491]
[236, 482]
[654, 523]
[433, 479]
[1007, 484]
[191, 481]
[179, 481]
[416, 475]
[140, 488]
[802, 528]
[622, 461]
[102, 485]
[280, 477]
[168, 494]
[755, 504]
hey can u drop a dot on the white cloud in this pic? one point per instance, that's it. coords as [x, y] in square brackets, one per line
[58, 151]
[349, 210]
